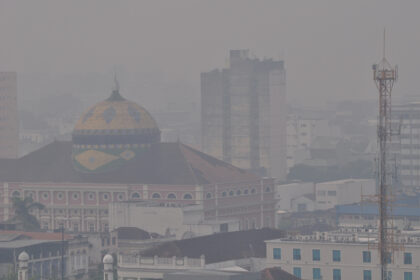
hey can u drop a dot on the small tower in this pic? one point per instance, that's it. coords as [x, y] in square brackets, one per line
[23, 266]
[108, 267]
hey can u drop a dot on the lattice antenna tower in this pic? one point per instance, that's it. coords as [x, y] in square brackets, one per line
[385, 76]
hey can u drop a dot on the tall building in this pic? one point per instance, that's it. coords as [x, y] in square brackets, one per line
[407, 118]
[243, 114]
[9, 124]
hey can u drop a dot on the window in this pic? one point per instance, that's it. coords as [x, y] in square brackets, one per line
[367, 274]
[267, 189]
[45, 195]
[253, 191]
[388, 258]
[120, 196]
[171, 196]
[231, 193]
[156, 196]
[336, 256]
[246, 191]
[106, 196]
[187, 196]
[135, 195]
[408, 275]
[238, 192]
[321, 193]
[75, 196]
[316, 255]
[407, 258]
[277, 253]
[332, 193]
[297, 271]
[76, 227]
[224, 194]
[366, 257]
[316, 273]
[388, 275]
[91, 196]
[296, 254]
[336, 274]
[91, 227]
[208, 196]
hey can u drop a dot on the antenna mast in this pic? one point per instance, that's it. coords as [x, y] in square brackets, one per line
[384, 76]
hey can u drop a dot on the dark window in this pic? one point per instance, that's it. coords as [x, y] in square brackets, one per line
[316, 255]
[296, 254]
[366, 257]
[336, 256]
[408, 258]
[277, 253]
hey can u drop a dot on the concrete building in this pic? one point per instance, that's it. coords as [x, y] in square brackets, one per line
[181, 222]
[341, 192]
[342, 256]
[407, 118]
[9, 123]
[243, 114]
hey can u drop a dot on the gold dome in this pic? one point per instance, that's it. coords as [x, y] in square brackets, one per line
[115, 114]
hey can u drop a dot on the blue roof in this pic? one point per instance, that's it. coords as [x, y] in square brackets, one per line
[373, 210]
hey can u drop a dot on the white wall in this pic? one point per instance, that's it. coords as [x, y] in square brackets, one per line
[330, 194]
[285, 193]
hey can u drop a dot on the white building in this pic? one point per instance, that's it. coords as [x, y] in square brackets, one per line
[341, 256]
[341, 192]
[287, 193]
[183, 222]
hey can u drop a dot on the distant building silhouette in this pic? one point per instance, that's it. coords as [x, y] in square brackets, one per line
[9, 124]
[244, 114]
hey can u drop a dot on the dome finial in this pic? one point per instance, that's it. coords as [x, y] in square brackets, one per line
[116, 84]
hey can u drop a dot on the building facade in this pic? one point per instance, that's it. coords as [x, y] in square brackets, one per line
[9, 123]
[344, 257]
[116, 155]
[243, 114]
[407, 119]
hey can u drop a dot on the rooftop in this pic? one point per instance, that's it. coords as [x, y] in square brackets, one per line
[163, 163]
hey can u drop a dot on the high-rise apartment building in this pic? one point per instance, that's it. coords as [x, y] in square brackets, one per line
[9, 124]
[243, 114]
[407, 122]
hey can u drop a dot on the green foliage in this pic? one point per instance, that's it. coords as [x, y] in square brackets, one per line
[22, 209]
[359, 169]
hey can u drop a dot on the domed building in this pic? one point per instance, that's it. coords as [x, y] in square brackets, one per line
[111, 133]
[116, 155]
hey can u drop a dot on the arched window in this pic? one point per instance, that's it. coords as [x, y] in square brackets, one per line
[246, 191]
[238, 192]
[231, 193]
[224, 194]
[267, 189]
[208, 195]
[156, 196]
[253, 190]
[171, 196]
[187, 196]
[135, 195]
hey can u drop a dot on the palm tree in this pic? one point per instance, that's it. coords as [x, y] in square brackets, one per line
[22, 209]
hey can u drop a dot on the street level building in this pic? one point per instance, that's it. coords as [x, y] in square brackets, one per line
[243, 114]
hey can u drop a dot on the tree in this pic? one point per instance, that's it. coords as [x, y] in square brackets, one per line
[22, 209]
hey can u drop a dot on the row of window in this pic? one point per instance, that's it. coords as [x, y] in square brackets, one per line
[336, 255]
[105, 196]
[336, 274]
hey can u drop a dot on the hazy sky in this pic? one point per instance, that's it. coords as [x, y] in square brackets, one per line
[328, 46]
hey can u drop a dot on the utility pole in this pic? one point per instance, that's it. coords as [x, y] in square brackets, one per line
[62, 252]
